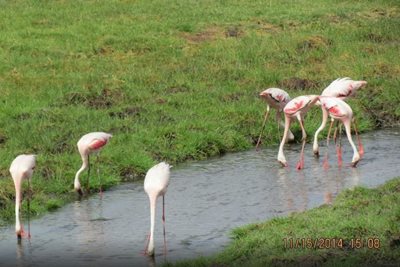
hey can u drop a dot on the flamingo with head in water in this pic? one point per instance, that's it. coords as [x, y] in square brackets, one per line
[22, 169]
[155, 185]
[340, 110]
[341, 88]
[88, 144]
[296, 108]
[277, 99]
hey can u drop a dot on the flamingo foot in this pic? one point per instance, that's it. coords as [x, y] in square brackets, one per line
[316, 153]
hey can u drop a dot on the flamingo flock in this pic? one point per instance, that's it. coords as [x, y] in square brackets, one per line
[157, 178]
[332, 104]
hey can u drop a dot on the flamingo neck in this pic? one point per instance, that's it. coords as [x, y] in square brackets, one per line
[85, 164]
[18, 197]
[150, 248]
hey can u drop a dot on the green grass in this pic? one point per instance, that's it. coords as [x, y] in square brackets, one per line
[366, 220]
[175, 80]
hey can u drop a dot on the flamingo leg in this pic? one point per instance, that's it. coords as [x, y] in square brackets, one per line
[147, 244]
[98, 174]
[300, 164]
[29, 208]
[326, 164]
[262, 128]
[339, 147]
[87, 184]
[163, 220]
[278, 120]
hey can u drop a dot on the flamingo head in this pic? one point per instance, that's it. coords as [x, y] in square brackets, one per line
[264, 94]
[77, 187]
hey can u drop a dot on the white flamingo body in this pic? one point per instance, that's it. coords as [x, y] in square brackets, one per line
[343, 88]
[155, 185]
[340, 110]
[21, 168]
[277, 99]
[88, 144]
[297, 108]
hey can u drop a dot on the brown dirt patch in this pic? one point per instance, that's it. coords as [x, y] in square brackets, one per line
[314, 42]
[266, 27]
[231, 97]
[127, 112]
[296, 83]
[177, 89]
[234, 31]
[207, 35]
[106, 98]
[378, 13]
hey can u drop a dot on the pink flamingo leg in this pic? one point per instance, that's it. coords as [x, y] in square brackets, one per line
[339, 147]
[300, 164]
[144, 252]
[262, 128]
[326, 164]
[29, 208]
[163, 220]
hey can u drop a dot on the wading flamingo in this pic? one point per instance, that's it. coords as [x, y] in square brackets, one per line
[277, 99]
[22, 168]
[340, 110]
[155, 185]
[297, 107]
[88, 144]
[341, 88]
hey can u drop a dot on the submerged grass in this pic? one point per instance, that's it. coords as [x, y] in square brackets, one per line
[365, 220]
[175, 80]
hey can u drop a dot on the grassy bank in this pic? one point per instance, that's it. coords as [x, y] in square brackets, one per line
[361, 228]
[175, 80]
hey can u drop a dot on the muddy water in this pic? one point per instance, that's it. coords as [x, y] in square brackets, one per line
[205, 200]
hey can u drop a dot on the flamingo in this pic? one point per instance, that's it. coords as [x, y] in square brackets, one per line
[155, 185]
[341, 88]
[340, 110]
[297, 107]
[22, 168]
[88, 144]
[277, 99]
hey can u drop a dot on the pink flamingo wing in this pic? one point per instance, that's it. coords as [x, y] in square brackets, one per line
[335, 111]
[98, 143]
[294, 107]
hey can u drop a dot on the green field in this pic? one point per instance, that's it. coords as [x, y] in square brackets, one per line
[361, 228]
[175, 80]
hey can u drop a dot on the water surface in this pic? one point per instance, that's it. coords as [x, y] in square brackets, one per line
[205, 200]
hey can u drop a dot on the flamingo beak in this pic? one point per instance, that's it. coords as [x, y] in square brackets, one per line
[79, 192]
